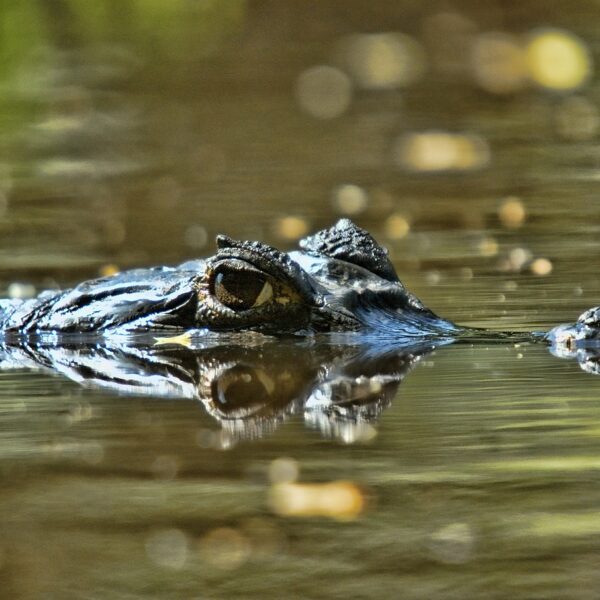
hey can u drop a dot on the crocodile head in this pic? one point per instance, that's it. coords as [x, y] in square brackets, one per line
[340, 280]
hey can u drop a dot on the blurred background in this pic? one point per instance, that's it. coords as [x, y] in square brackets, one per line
[463, 135]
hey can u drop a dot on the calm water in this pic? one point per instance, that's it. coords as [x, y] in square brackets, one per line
[470, 472]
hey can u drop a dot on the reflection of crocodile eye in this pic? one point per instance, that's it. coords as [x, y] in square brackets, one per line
[241, 387]
[242, 290]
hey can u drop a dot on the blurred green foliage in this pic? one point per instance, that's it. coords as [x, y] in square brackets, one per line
[153, 30]
[21, 30]
[41, 40]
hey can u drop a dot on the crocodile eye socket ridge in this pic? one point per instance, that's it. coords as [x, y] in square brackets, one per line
[242, 289]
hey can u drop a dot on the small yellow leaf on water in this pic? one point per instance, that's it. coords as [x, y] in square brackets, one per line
[108, 270]
[184, 339]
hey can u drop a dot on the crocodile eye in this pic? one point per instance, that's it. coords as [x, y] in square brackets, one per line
[241, 290]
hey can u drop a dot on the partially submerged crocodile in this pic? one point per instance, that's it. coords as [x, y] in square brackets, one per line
[341, 280]
[341, 283]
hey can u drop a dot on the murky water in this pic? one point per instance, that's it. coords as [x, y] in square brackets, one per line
[468, 472]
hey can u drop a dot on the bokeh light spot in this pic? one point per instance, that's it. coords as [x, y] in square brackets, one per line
[396, 227]
[341, 500]
[195, 237]
[487, 246]
[21, 290]
[283, 470]
[558, 60]
[349, 199]
[577, 119]
[167, 548]
[291, 228]
[225, 548]
[512, 213]
[383, 60]
[432, 151]
[498, 63]
[541, 267]
[323, 92]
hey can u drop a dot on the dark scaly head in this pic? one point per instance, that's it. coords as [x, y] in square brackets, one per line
[250, 285]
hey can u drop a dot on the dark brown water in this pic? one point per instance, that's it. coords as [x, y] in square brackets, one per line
[134, 135]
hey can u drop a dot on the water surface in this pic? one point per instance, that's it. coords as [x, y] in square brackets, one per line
[477, 478]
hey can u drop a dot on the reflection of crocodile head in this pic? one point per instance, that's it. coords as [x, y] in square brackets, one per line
[249, 390]
[341, 282]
